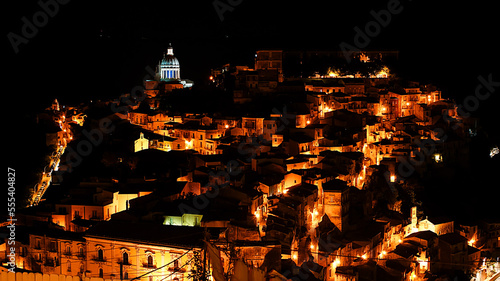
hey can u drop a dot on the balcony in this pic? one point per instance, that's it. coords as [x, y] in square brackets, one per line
[176, 269]
[120, 261]
[148, 265]
[99, 259]
[51, 263]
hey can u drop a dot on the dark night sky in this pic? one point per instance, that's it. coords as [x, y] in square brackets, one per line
[447, 40]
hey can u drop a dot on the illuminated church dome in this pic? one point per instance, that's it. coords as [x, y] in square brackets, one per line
[169, 68]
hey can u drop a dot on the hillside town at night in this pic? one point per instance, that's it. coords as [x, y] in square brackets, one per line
[282, 170]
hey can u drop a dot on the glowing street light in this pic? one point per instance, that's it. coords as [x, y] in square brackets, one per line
[494, 151]
[438, 158]
[471, 242]
[382, 254]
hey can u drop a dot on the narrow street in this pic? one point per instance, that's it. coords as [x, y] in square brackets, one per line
[41, 187]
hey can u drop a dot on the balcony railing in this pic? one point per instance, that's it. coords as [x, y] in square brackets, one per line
[120, 261]
[177, 269]
[51, 263]
[148, 265]
[100, 259]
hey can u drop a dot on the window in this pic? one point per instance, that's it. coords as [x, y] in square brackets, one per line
[69, 266]
[176, 263]
[100, 254]
[53, 246]
[77, 215]
[101, 273]
[125, 258]
[94, 214]
[24, 251]
[150, 261]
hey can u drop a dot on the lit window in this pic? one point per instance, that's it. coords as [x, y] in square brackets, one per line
[125, 258]
[100, 254]
[150, 261]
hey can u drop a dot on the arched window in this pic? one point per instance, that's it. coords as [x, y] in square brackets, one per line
[125, 258]
[100, 254]
[150, 261]
[101, 273]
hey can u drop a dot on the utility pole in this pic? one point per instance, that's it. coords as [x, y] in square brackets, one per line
[204, 275]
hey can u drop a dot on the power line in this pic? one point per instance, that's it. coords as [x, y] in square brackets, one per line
[179, 268]
[138, 277]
